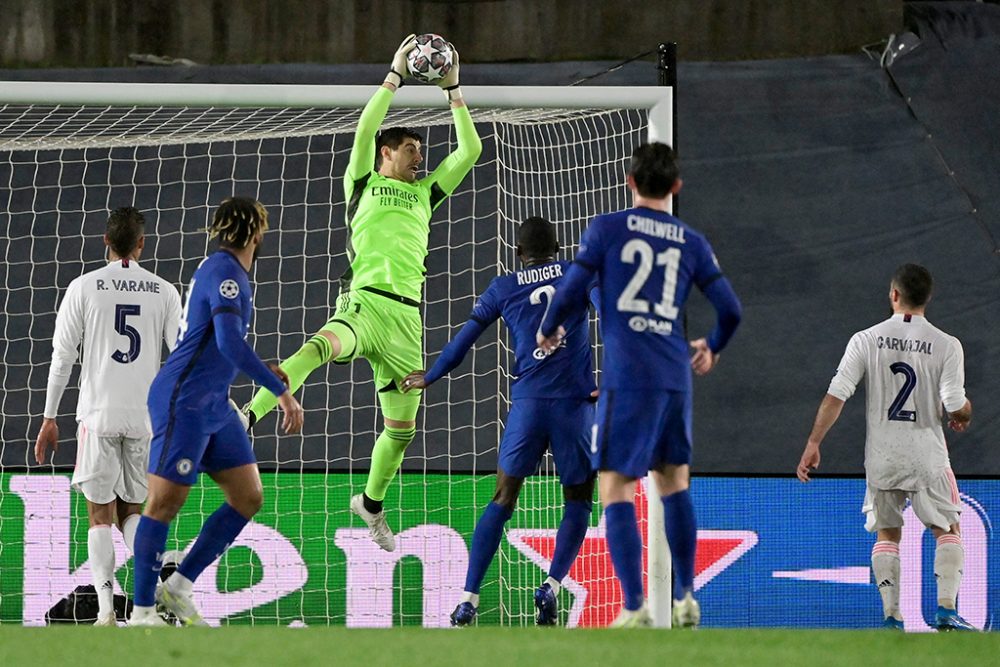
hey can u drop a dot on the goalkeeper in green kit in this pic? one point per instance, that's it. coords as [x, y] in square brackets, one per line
[378, 311]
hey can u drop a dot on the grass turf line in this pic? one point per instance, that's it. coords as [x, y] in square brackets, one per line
[396, 647]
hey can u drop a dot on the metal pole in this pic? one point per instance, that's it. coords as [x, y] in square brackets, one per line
[659, 562]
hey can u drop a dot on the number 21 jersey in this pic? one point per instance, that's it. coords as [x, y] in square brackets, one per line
[647, 261]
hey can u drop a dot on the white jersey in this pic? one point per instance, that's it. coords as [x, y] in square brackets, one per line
[122, 314]
[911, 368]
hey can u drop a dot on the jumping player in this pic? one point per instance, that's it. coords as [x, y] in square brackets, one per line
[378, 311]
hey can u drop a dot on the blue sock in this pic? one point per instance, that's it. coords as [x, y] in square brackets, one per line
[682, 534]
[150, 543]
[572, 530]
[216, 535]
[485, 542]
[625, 546]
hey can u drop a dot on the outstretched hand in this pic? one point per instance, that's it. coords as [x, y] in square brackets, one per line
[399, 59]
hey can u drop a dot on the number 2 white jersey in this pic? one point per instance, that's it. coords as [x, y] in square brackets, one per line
[122, 314]
[910, 368]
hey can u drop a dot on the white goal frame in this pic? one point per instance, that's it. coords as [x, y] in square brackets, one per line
[657, 101]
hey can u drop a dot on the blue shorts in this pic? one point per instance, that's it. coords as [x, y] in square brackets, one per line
[638, 430]
[536, 424]
[184, 445]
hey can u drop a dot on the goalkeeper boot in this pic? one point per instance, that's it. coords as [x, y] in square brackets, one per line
[547, 606]
[146, 617]
[686, 612]
[378, 529]
[179, 603]
[892, 623]
[638, 618]
[947, 620]
[464, 614]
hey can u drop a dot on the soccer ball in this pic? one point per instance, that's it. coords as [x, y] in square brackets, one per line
[431, 59]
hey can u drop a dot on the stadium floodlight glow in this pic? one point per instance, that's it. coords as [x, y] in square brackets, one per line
[70, 152]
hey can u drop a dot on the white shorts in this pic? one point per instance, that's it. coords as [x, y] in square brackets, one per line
[938, 505]
[109, 467]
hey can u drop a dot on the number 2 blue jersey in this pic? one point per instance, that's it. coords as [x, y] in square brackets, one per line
[199, 373]
[647, 262]
[521, 299]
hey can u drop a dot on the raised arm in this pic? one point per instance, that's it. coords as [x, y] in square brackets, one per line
[460, 161]
[362, 159]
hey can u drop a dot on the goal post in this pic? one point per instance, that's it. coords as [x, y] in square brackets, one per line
[69, 152]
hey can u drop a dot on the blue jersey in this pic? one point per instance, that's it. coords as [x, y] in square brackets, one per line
[521, 299]
[211, 346]
[646, 262]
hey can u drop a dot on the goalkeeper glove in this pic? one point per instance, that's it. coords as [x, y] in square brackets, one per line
[398, 69]
[449, 82]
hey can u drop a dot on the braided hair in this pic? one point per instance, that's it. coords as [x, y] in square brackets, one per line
[237, 222]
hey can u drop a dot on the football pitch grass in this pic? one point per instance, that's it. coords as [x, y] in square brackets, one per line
[405, 647]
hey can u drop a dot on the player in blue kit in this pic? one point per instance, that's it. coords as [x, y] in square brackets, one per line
[646, 262]
[196, 427]
[552, 405]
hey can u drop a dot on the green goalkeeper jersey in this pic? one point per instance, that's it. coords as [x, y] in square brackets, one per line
[388, 220]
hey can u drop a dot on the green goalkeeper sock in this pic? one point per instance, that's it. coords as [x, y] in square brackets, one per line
[310, 356]
[387, 456]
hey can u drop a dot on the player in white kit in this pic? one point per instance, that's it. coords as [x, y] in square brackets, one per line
[122, 314]
[911, 369]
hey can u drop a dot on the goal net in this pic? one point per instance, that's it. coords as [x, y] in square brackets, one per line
[69, 153]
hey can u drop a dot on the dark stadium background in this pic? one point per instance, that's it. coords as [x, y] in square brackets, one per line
[813, 177]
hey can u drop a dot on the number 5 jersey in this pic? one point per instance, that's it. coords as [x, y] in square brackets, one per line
[122, 314]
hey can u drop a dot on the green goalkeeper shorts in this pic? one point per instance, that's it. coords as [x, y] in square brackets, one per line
[389, 335]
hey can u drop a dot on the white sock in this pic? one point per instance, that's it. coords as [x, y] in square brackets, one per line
[101, 553]
[553, 584]
[885, 567]
[180, 583]
[139, 612]
[949, 560]
[129, 526]
[470, 597]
